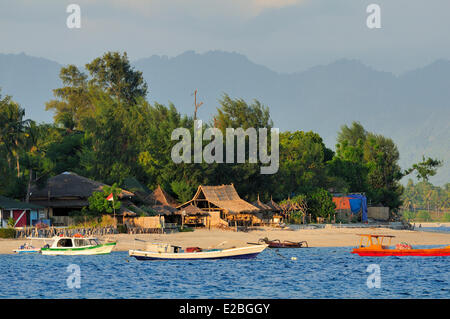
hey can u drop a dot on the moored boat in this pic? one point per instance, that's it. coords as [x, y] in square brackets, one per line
[276, 243]
[77, 245]
[171, 252]
[372, 245]
[26, 249]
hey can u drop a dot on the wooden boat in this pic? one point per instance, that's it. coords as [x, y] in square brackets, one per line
[171, 252]
[26, 249]
[276, 243]
[372, 245]
[77, 245]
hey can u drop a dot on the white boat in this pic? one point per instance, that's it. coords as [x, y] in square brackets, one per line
[77, 245]
[171, 252]
[26, 249]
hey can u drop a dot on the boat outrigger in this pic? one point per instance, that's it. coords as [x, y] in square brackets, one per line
[171, 252]
[77, 245]
[372, 245]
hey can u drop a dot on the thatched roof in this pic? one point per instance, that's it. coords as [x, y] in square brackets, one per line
[191, 210]
[69, 184]
[164, 209]
[274, 206]
[261, 205]
[160, 197]
[223, 197]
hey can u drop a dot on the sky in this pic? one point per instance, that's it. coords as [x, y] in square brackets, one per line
[284, 35]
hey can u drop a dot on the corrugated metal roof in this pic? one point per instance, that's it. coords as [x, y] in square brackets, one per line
[9, 203]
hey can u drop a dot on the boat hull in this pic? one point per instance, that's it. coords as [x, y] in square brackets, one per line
[233, 253]
[91, 250]
[26, 251]
[433, 252]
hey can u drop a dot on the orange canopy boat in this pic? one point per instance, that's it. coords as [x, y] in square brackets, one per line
[373, 246]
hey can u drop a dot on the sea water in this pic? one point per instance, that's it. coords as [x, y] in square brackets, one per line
[283, 273]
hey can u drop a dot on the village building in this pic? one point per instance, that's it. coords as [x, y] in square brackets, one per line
[24, 214]
[224, 207]
[68, 192]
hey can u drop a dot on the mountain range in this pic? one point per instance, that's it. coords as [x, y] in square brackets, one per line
[412, 108]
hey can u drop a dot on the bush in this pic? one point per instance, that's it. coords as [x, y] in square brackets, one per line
[320, 203]
[408, 215]
[447, 217]
[296, 218]
[7, 233]
[423, 216]
[122, 229]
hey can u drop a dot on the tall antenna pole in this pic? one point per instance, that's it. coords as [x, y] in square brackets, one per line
[196, 105]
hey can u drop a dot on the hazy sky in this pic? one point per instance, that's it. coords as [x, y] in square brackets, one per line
[285, 35]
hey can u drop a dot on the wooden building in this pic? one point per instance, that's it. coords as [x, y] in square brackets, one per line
[24, 214]
[68, 192]
[223, 205]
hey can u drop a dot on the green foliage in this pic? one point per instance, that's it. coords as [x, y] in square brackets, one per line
[408, 216]
[11, 222]
[7, 233]
[296, 218]
[106, 130]
[446, 217]
[368, 163]
[183, 190]
[237, 113]
[320, 203]
[424, 195]
[122, 229]
[99, 204]
[423, 216]
[425, 169]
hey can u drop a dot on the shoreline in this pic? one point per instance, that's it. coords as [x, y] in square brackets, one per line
[323, 237]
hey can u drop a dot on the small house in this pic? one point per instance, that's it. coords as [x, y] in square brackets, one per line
[223, 205]
[24, 214]
[65, 193]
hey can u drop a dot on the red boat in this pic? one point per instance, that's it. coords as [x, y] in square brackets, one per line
[285, 244]
[373, 246]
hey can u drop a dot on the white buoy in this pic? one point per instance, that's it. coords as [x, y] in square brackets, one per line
[293, 258]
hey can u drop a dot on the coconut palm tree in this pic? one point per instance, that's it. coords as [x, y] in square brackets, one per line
[12, 126]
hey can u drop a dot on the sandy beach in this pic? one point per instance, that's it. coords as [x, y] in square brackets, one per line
[325, 237]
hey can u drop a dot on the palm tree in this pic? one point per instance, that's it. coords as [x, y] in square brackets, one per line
[12, 126]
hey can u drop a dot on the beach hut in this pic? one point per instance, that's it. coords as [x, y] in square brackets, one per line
[65, 193]
[193, 216]
[159, 197]
[224, 206]
[24, 214]
[266, 214]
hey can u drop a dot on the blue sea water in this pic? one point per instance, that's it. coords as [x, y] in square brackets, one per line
[317, 273]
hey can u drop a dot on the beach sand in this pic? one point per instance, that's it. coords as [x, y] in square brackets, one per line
[325, 237]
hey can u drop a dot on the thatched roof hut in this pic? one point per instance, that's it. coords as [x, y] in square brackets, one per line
[222, 198]
[160, 198]
[71, 186]
[259, 204]
[68, 192]
[164, 209]
[191, 210]
[274, 206]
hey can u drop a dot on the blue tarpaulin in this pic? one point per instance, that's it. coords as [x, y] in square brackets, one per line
[356, 202]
